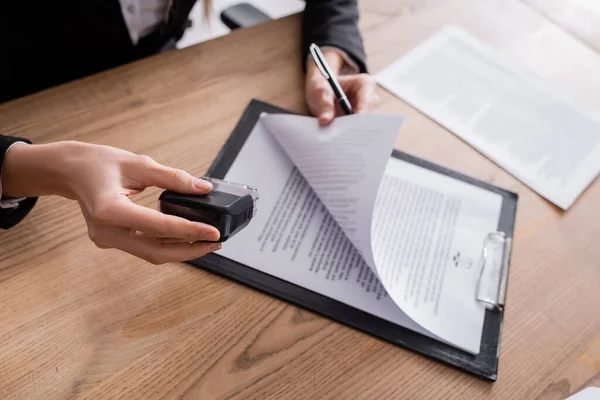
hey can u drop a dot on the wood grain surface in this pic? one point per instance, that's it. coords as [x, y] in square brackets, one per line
[79, 322]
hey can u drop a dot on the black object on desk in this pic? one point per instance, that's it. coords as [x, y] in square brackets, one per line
[229, 207]
[242, 15]
[484, 364]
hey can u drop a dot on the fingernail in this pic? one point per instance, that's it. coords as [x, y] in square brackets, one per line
[216, 247]
[327, 115]
[211, 236]
[202, 184]
[324, 121]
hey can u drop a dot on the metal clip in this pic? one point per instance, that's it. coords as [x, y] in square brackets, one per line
[491, 286]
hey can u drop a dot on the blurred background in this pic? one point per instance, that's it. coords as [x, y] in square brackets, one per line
[203, 30]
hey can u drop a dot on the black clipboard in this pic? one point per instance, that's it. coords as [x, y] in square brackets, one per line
[484, 364]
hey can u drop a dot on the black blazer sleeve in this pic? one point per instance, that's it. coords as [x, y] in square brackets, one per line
[9, 217]
[333, 23]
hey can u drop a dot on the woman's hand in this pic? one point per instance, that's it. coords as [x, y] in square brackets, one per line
[101, 179]
[322, 103]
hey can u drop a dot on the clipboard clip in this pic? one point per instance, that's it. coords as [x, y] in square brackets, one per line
[495, 256]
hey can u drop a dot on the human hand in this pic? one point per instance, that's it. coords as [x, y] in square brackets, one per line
[101, 179]
[320, 98]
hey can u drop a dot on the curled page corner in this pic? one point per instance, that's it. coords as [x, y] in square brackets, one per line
[343, 163]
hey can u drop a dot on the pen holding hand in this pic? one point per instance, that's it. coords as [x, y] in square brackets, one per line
[327, 93]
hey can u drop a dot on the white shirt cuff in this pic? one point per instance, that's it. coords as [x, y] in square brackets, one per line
[8, 203]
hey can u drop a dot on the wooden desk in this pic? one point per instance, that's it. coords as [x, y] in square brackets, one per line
[76, 321]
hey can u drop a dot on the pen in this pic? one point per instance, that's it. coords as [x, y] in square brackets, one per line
[319, 59]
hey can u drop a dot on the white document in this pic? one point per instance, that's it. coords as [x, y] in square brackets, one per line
[343, 163]
[591, 393]
[295, 238]
[427, 239]
[514, 118]
[405, 251]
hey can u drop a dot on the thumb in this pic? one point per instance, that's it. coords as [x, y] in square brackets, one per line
[175, 179]
[326, 114]
[321, 102]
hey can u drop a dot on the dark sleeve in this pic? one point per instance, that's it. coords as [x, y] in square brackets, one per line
[9, 217]
[333, 23]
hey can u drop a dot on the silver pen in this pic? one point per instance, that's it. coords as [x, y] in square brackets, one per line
[319, 59]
